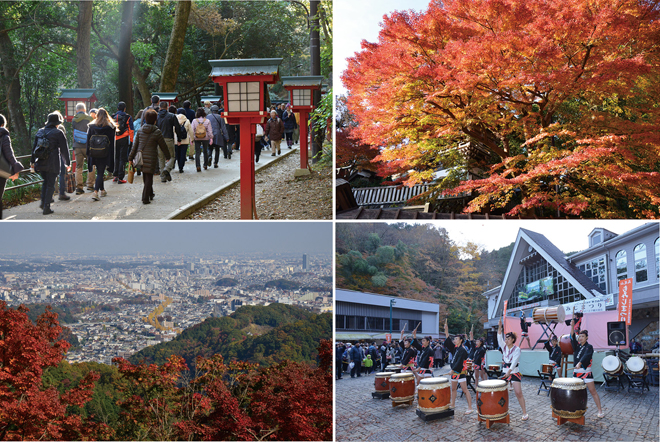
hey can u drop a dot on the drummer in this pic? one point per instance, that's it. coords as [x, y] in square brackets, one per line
[554, 351]
[583, 354]
[477, 354]
[524, 326]
[458, 370]
[409, 353]
[510, 359]
[423, 358]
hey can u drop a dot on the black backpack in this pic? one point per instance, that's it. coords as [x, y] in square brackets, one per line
[99, 146]
[41, 150]
[122, 121]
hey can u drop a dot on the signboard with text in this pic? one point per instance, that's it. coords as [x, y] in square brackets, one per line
[625, 301]
[597, 304]
[388, 338]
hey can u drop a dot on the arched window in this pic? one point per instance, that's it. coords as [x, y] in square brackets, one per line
[657, 258]
[641, 273]
[621, 265]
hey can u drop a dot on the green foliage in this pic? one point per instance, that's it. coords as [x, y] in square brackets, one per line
[226, 282]
[283, 284]
[288, 332]
[420, 262]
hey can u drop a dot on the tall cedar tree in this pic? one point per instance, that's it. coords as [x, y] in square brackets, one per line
[28, 411]
[562, 94]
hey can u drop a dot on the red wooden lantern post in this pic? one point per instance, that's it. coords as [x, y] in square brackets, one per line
[71, 97]
[244, 84]
[302, 101]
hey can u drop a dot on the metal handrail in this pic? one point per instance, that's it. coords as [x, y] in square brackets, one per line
[28, 170]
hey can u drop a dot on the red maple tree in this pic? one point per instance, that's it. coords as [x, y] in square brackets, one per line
[28, 411]
[563, 96]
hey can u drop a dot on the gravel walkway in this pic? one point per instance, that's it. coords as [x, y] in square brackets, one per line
[279, 195]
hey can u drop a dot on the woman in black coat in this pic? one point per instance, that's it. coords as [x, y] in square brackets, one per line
[8, 153]
[290, 124]
[49, 168]
[148, 140]
[103, 125]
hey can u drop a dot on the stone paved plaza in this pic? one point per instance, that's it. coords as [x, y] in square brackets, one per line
[628, 417]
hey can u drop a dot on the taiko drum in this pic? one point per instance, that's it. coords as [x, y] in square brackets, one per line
[565, 344]
[546, 315]
[637, 366]
[612, 365]
[568, 397]
[382, 382]
[547, 368]
[433, 395]
[402, 388]
[492, 399]
[494, 367]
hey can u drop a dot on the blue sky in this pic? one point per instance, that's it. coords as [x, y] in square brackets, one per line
[355, 21]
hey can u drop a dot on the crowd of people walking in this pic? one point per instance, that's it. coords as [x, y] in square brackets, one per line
[154, 142]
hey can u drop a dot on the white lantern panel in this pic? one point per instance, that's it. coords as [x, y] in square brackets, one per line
[70, 108]
[243, 97]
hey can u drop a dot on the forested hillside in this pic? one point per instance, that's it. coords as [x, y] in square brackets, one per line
[420, 262]
[258, 334]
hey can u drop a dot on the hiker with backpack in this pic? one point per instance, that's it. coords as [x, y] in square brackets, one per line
[101, 149]
[168, 125]
[203, 132]
[123, 139]
[49, 146]
[181, 148]
[79, 123]
[220, 136]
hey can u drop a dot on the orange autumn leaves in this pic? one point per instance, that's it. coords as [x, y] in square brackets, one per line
[563, 95]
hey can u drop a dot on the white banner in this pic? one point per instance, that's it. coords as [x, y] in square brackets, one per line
[597, 304]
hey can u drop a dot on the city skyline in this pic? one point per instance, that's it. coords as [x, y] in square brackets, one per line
[170, 238]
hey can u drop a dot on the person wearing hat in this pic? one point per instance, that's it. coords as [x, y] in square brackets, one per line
[220, 136]
[49, 168]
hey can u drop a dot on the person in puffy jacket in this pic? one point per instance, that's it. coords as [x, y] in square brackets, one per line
[202, 132]
[274, 132]
[290, 124]
[7, 152]
[148, 140]
[49, 168]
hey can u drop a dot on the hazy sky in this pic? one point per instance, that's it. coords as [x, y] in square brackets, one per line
[166, 236]
[355, 21]
[567, 235]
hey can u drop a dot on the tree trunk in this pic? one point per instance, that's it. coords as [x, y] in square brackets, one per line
[125, 60]
[143, 87]
[83, 50]
[12, 87]
[315, 58]
[175, 48]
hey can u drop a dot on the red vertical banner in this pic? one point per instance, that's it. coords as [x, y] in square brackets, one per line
[504, 314]
[625, 300]
[388, 338]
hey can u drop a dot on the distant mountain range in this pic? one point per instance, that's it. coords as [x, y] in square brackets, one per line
[258, 334]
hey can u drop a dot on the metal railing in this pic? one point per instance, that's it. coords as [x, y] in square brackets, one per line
[28, 170]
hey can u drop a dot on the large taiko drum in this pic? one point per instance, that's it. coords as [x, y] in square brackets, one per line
[433, 395]
[565, 344]
[492, 399]
[637, 366]
[612, 365]
[568, 397]
[402, 388]
[547, 368]
[546, 315]
[393, 368]
[382, 382]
